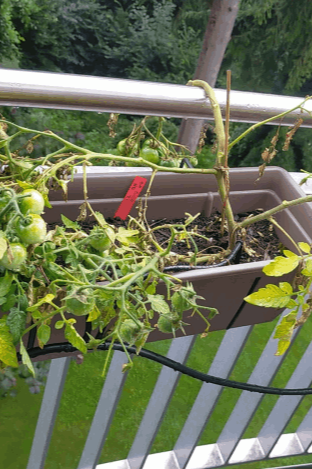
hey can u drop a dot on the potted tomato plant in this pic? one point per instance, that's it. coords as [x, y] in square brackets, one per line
[80, 286]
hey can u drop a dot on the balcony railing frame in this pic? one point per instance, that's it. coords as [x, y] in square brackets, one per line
[65, 91]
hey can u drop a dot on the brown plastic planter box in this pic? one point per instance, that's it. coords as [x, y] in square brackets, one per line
[174, 194]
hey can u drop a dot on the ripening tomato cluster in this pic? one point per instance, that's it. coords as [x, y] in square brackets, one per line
[21, 221]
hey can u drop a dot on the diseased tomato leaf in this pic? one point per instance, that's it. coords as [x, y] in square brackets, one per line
[282, 265]
[271, 296]
[17, 323]
[74, 338]
[7, 349]
[26, 360]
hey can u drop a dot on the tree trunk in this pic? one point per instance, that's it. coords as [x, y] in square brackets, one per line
[218, 33]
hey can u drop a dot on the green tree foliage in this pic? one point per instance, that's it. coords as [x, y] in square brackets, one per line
[11, 37]
[146, 40]
[271, 47]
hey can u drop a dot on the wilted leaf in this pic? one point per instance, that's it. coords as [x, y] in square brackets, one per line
[270, 297]
[282, 265]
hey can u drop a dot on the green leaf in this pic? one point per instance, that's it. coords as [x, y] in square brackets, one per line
[17, 323]
[305, 247]
[26, 360]
[159, 304]
[179, 303]
[5, 283]
[151, 289]
[36, 314]
[9, 303]
[69, 223]
[44, 333]
[59, 324]
[307, 271]
[282, 265]
[7, 349]
[74, 338]
[270, 297]
[47, 299]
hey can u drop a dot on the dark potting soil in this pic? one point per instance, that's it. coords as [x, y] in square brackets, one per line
[260, 238]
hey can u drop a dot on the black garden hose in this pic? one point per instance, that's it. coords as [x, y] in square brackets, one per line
[176, 366]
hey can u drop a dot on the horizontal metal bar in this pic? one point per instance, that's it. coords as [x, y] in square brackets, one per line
[89, 93]
[207, 456]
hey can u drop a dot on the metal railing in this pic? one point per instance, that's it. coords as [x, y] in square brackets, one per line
[40, 89]
[77, 92]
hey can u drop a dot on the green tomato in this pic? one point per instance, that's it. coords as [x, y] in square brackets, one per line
[124, 148]
[150, 154]
[31, 231]
[129, 331]
[82, 305]
[33, 203]
[167, 164]
[14, 259]
[101, 239]
[160, 147]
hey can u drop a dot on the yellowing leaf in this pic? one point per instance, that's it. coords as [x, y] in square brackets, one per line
[307, 271]
[305, 247]
[95, 313]
[270, 297]
[26, 359]
[282, 265]
[286, 287]
[3, 247]
[47, 299]
[286, 326]
[7, 349]
[43, 334]
[74, 338]
[282, 346]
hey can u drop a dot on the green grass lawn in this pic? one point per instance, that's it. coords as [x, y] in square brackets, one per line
[18, 415]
